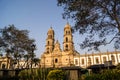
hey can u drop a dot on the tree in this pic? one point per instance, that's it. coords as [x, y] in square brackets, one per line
[15, 42]
[30, 58]
[26, 58]
[96, 18]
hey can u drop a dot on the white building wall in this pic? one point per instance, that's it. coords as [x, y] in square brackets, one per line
[118, 57]
[100, 57]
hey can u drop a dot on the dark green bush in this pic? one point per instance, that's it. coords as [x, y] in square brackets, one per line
[55, 75]
[105, 75]
[34, 74]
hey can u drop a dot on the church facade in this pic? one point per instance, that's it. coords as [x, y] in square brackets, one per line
[54, 56]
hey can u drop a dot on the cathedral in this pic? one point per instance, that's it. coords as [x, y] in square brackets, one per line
[55, 57]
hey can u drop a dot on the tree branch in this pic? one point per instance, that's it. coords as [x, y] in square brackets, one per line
[113, 38]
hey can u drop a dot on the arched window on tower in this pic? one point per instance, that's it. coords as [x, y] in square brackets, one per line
[66, 47]
[48, 43]
[68, 32]
[47, 50]
[66, 39]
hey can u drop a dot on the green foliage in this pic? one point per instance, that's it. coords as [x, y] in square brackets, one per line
[24, 74]
[55, 75]
[15, 42]
[118, 66]
[34, 74]
[99, 18]
[105, 75]
[92, 12]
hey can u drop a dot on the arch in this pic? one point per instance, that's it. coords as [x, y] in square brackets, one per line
[89, 61]
[68, 32]
[104, 59]
[3, 66]
[76, 61]
[97, 60]
[82, 61]
[113, 59]
[66, 39]
[56, 60]
[66, 47]
[48, 42]
[47, 50]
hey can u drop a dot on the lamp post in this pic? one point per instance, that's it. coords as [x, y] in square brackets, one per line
[32, 53]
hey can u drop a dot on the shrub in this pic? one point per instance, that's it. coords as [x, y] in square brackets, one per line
[55, 75]
[34, 74]
[105, 75]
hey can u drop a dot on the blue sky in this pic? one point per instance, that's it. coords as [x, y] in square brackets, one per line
[37, 16]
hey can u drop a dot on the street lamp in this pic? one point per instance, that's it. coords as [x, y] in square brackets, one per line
[32, 53]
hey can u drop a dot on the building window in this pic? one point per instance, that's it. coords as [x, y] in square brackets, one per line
[113, 59]
[83, 62]
[66, 32]
[3, 66]
[66, 39]
[47, 50]
[56, 60]
[97, 60]
[66, 47]
[104, 59]
[89, 61]
[76, 61]
[48, 42]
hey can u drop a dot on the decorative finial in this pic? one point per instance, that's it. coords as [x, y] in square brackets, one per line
[51, 26]
[67, 22]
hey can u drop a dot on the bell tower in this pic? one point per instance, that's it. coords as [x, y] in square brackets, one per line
[50, 41]
[68, 38]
